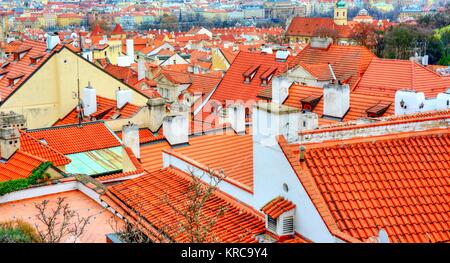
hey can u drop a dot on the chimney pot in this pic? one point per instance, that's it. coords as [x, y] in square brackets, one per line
[302, 153]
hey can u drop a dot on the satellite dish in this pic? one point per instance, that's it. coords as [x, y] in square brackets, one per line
[383, 236]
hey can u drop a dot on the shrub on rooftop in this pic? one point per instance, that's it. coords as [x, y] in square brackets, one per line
[38, 175]
[18, 231]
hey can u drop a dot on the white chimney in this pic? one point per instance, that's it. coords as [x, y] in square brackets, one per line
[89, 100]
[270, 120]
[409, 101]
[123, 96]
[130, 138]
[141, 68]
[336, 100]
[52, 41]
[280, 89]
[176, 128]
[236, 117]
[9, 142]
[309, 121]
[130, 49]
[443, 100]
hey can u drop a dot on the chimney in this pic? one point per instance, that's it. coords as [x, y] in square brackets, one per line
[176, 129]
[280, 89]
[130, 138]
[308, 121]
[336, 100]
[157, 111]
[236, 115]
[302, 153]
[9, 142]
[410, 101]
[130, 49]
[123, 97]
[141, 68]
[271, 119]
[89, 100]
[52, 41]
[321, 42]
[12, 120]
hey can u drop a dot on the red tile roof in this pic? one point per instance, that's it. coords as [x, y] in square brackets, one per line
[232, 86]
[117, 30]
[19, 165]
[308, 26]
[231, 153]
[22, 68]
[130, 77]
[238, 224]
[387, 76]
[106, 109]
[71, 139]
[277, 207]
[395, 182]
[348, 62]
[359, 103]
[34, 147]
[146, 135]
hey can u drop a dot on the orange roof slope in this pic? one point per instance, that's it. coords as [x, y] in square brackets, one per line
[19, 165]
[308, 26]
[146, 135]
[277, 207]
[117, 30]
[232, 86]
[151, 155]
[34, 147]
[106, 109]
[73, 138]
[238, 224]
[22, 68]
[348, 62]
[232, 153]
[359, 103]
[386, 76]
[396, 182]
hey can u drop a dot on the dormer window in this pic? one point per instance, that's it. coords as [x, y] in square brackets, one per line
[35, 59]
[310, 102]
[13, 79]
[250, 73]
[280, 216]
[19, 53]
[378, 110]
[3, 73]
[267, 76]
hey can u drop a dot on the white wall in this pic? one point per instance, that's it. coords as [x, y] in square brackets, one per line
[271, 171]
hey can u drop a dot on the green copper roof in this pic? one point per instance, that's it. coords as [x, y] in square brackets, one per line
[96, 162]
[340, 3]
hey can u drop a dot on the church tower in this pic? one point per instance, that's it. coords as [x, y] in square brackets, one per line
[340, 12]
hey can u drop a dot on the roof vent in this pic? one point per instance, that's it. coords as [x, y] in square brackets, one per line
[302, 153]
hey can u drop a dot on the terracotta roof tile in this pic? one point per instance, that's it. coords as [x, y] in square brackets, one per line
[71, 139]
[19, 165]
[34, 147]
[232, 86]
[238, 224]
[388, 75]
[106, 109]
[277, 207]
[396, 182]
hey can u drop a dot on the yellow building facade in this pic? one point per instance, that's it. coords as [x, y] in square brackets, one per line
[52, 91]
